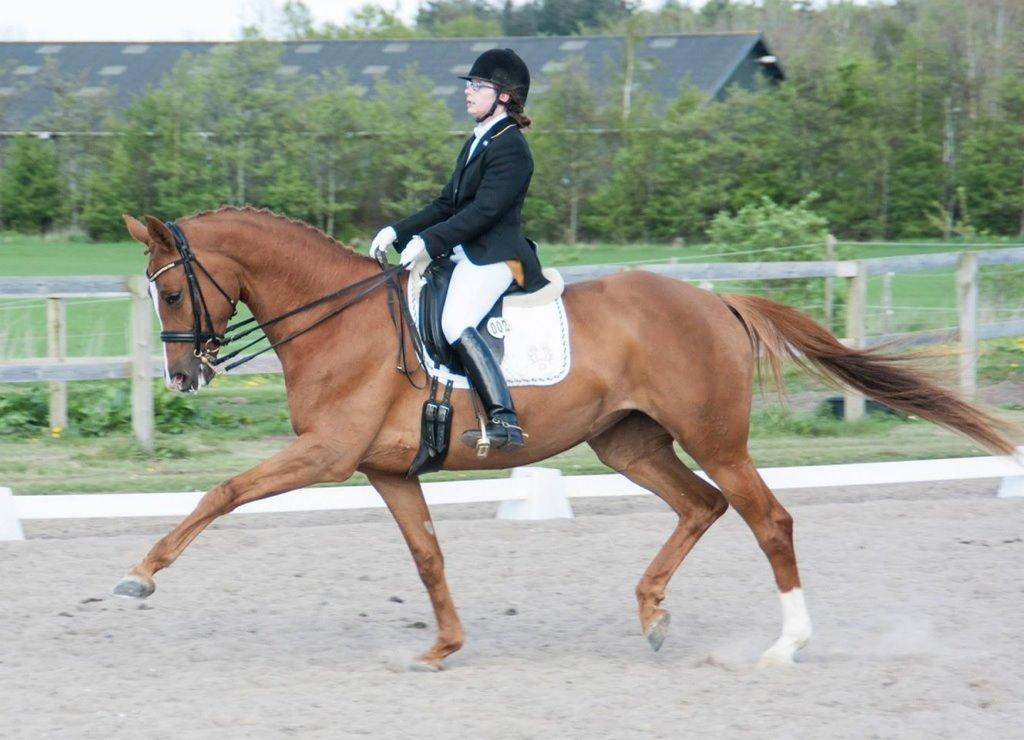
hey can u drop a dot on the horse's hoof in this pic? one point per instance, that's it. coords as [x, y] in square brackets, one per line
[134, 587]
[657, 630]
[425, 666]
[777, 656]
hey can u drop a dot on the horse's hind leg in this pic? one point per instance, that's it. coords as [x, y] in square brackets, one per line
[772, 525]
[404, 498]
[640, 449]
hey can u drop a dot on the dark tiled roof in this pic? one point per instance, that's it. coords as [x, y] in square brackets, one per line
[710, 61]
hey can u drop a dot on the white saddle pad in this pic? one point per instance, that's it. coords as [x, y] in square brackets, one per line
[536, 339]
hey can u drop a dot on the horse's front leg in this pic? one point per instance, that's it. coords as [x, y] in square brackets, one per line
[404, 498]
[305, 461]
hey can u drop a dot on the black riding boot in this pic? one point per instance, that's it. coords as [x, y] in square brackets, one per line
[483, 372]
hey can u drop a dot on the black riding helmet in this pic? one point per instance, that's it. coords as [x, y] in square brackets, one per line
[504, 69]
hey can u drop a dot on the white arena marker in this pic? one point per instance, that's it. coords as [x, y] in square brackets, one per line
[10, 526]
[545, 496]
[1011, 487]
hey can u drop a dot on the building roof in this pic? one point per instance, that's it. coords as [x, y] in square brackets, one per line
[711, 61]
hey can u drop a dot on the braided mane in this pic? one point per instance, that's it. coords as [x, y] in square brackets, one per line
[255, 211]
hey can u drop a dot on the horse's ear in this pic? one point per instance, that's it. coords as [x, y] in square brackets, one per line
[159, 235]
[136, 228]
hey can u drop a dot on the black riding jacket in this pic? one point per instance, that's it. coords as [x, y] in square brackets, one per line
[480, 206]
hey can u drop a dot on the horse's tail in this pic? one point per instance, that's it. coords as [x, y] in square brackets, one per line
[779, 331]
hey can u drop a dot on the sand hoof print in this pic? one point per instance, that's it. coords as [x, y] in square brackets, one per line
[421, 666]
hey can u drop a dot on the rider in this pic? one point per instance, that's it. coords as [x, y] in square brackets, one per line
[476, 222]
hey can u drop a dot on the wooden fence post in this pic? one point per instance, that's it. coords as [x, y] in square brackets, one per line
[967, 305]
[887, 312]
[856, 300]
[57, 348]
[830, 255]
[142, 353]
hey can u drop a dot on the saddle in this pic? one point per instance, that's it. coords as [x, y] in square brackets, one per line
[434, 278]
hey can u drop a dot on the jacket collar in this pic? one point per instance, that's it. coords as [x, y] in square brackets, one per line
[487, 131]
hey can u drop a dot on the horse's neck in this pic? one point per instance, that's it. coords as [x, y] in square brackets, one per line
[284, 268]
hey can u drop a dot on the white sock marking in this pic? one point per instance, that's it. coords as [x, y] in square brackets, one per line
[796, 629]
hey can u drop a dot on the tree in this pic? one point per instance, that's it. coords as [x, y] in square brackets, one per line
[569, 153]
[30, 189]
[337, 123]
[458, 18]
[412, 151]
[992, 172]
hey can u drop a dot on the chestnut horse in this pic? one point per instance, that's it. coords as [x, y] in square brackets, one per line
[654, 360]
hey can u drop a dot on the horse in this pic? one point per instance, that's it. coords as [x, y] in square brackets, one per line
[655, 361]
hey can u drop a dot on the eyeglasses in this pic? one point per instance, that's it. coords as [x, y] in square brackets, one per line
[478, 85]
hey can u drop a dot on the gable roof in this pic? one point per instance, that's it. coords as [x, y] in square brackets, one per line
[709, 61]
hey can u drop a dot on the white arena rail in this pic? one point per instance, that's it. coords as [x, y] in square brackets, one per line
[531, 493]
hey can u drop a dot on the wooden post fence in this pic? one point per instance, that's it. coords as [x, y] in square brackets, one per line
[142, 367]
[856, 302]
[967, 305]
[57, 348]
[829, 300]
[142, 371]
[887, 312]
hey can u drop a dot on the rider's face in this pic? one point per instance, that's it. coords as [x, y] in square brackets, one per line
[479, 101]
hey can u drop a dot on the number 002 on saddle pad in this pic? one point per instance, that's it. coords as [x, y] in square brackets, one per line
[530, 332]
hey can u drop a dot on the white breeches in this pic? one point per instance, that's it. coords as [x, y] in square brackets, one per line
[474, 289]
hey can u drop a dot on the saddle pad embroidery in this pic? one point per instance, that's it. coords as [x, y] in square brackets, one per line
[536, 343]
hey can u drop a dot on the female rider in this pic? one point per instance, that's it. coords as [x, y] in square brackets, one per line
[476, 222]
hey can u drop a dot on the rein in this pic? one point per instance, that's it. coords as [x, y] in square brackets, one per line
[206, 344]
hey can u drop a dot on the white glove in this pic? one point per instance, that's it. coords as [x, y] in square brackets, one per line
[412, 250]
[382, 242]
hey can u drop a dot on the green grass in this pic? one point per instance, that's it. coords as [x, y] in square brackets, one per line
[240, 421]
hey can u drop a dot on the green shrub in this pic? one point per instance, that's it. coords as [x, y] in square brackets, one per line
[769, 232]
[24, 412]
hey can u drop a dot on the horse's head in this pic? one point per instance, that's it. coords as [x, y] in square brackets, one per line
[194, 297]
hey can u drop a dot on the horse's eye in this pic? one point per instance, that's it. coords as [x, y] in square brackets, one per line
[172, 298]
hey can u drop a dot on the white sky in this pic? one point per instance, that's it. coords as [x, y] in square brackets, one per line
[165, 20]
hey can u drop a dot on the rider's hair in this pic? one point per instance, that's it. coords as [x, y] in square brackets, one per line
[516, 112]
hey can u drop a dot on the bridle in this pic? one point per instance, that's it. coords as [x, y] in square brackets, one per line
[206, 343]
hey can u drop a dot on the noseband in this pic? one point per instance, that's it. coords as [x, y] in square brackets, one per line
[207, 343]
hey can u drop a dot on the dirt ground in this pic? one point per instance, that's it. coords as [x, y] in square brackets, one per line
[302, 625]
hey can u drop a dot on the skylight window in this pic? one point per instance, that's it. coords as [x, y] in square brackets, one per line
[552, 66]
[573, 45]
[49, 49]
[308, 48]
[396, 48]
[288, 69]
[113, 70]
[663, 43]
[135, 49]
[460, 69]
[483, 45]
[26, 69]
[442, 91]
[375, 69]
